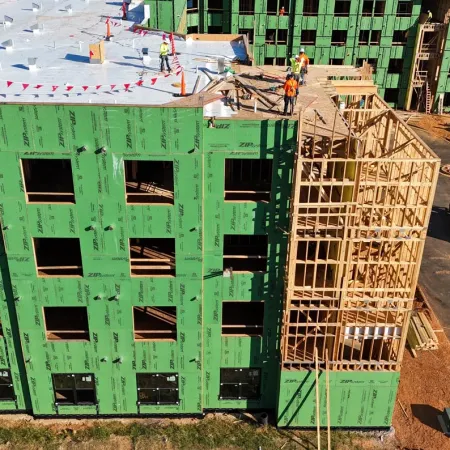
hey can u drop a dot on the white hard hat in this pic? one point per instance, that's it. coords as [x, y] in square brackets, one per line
[296, 56]
[302, 50]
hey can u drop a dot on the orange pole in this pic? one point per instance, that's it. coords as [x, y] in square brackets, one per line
[108, 30]
[183, 84]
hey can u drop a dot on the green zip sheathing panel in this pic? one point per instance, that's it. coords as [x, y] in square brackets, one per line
[198, 220]
[380, 48]
[357, 399]
[10, 351]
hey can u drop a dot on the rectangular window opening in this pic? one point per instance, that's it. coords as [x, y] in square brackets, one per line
[400, 37]
[272, 7]
[247, 7]
[240, 384]
[281, 61]
[404, 8]
[245, 253]
[380, 6]
[68, 323]
[248, 180]
[367, 7]
[342, 8]
[48, 180]
[375, 37]
[337, 62]
[215, 5]
[152, 256]
[74, 389]
[149, 181]
[364, 37]
[242, 318]
[155, 323]
[157, 388]
[192, 6]
[391, 95]
[308, 37]
[339, 37]
[215, 29]
[6, 386]
[270, 36]
[248, 32]
[269, 61]
[192, 30]
[395, 65]
[58, 257]
[282, 36]
[310, 7]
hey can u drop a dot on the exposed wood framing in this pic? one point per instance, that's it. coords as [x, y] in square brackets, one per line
[359, 215]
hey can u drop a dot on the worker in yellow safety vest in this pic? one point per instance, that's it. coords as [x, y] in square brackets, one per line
[164, 55]
[295, 69]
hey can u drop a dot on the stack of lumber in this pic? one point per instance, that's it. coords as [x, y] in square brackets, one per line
[421, 335]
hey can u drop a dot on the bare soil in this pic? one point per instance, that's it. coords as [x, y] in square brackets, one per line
[438, 125]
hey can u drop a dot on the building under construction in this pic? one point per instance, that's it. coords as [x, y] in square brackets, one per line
[410, 51]
[171, 254]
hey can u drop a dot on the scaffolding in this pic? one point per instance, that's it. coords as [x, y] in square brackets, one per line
[359, 215]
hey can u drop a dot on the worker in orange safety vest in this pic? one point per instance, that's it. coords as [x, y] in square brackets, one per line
[290, 93]
[303, 61]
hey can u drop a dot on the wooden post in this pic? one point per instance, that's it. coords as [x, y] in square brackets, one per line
[327, 380]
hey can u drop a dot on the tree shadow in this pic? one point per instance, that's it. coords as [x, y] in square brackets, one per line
[428, 415]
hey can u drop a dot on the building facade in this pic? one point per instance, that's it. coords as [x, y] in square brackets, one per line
[143, 268]
[337, 32]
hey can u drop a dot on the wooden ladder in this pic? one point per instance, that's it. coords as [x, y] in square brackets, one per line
[427, 98]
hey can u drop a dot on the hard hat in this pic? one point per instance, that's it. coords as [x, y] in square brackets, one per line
[302, 50]
[296, 56]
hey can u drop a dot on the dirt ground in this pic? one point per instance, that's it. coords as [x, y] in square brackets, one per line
[438, 125]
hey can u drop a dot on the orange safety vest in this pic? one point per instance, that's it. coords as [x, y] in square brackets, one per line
[290, 88]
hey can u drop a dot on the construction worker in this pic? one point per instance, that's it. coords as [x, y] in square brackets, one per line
[290, 93]
[164, 55]
[282, 11]
[430, 16]
[295, 69]
[303, 61]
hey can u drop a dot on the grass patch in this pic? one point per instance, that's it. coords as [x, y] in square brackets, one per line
[207, 434]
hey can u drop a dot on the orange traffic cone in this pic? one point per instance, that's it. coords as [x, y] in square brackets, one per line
[108, 30]
[183, 84]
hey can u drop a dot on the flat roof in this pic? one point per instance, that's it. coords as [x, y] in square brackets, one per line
[61, 45]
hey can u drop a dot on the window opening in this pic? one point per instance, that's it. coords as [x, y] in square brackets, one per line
[364, 37]
[48, 180]
[157, 388]
[192, 30]
[215, 29]
[310, 7]
[282, 61]
[400, 37]
[6, 386]
[248, 32]
[149, 181]
[337, 62]
[155, 323]
[404, 8]
[308, 37]
[375, 37]
[339, 37]
[74, 389]
[379, 8]
[152, 256]
[245, 253]
[58, 257]
[342, 8]
[248, 179]
[242, 318]
[240, 384]
[215, 5]
[192, 6]
[66, 323]
[282, 36]
[270, 36]
[269, 61]
[395, 65]
[246, 7]
[391, 95]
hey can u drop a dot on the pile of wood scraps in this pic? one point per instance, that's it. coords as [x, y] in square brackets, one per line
[421, 335]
